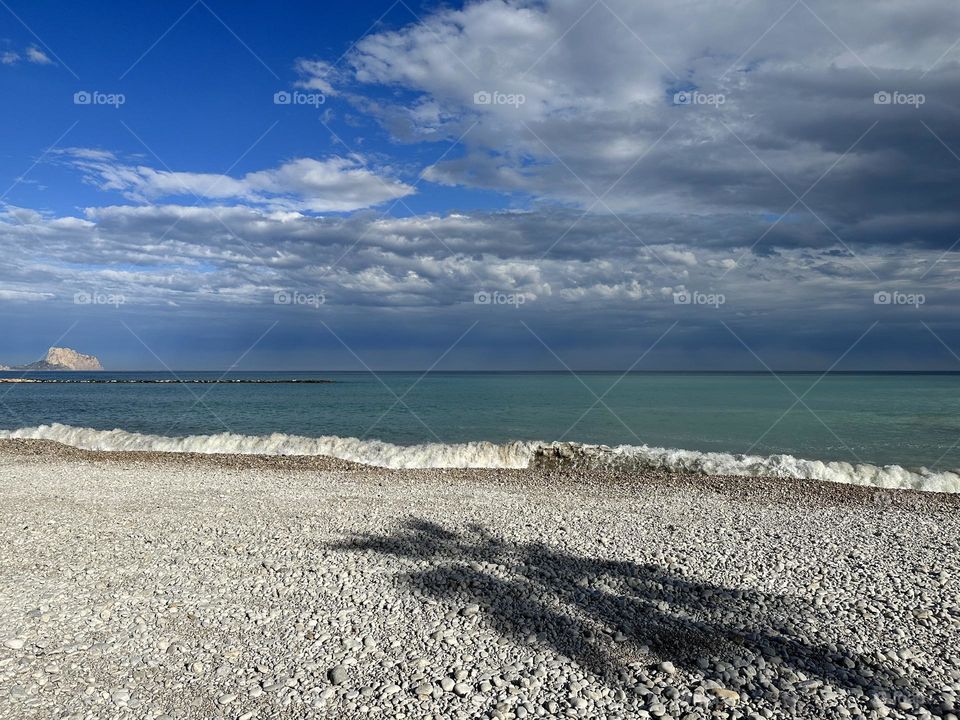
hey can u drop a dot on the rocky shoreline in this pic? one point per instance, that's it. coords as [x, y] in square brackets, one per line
[158, 586]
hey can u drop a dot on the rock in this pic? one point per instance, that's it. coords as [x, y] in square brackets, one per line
[63, 359]
[726, 694]
[14, 643]
[667, 667]
[461, 689]
[338, 674]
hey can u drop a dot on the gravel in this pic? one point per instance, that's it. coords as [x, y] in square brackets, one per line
[142, 586]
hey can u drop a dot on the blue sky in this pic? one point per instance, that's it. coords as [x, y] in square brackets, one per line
[198, 95]
[482, 184]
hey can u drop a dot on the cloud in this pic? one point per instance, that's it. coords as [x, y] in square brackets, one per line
[229, 255]
[334, 184]
[598, 127]
[37, 56]
[798, 197]
[31, 54]
[596, 296]
[317, 75]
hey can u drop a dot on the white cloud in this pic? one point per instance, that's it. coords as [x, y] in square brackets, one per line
[598, 117]
[335, 184]
[37, 56]
[316, 75]
[196, 257]
[32, 54]
[24, 295]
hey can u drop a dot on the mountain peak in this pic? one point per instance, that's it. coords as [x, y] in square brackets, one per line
[59, 358]
[68, 359]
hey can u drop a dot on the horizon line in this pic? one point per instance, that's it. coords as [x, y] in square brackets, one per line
[369, 371]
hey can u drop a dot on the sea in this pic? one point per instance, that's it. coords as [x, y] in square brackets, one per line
[899, 430]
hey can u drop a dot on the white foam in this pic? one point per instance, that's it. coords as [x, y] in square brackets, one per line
[788, 466]
[491, 455]
[369, 452]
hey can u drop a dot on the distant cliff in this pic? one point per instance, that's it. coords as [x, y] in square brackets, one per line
[63, 359]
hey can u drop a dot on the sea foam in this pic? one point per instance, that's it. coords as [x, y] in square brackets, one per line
[369, 452]
[515, 455]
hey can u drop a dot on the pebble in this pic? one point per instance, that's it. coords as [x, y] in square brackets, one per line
[727, 695]
[358, 594]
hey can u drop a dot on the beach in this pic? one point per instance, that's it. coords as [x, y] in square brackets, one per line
[152, 585]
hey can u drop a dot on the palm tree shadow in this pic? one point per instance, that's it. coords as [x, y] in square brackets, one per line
[606, 614]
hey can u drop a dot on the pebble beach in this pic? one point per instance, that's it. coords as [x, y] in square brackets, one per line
[159, 586]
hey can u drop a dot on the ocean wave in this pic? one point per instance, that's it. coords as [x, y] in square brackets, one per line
[790, 467]
[512, 455]
[369, 452]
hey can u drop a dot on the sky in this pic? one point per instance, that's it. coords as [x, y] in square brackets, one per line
[616, 184]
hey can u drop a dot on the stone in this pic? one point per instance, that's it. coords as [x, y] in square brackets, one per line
[726, 694]
[338, 674]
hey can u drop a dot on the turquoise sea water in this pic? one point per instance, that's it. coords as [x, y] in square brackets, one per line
[905, 419]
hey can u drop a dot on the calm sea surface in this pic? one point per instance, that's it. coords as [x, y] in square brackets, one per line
[909, 420]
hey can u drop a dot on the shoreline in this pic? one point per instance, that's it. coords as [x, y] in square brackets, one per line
[810, 490]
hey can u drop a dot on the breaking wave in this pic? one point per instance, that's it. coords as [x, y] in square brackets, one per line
[368, 452]
[516, 455]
